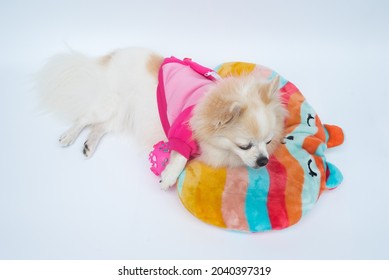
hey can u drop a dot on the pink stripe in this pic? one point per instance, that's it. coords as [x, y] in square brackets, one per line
[287, 90]
[276, 197]
[234, 198]
[263, 71]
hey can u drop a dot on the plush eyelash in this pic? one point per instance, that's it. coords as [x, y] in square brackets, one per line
[247, 147]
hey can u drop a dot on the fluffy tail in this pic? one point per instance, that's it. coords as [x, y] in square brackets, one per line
[72, 84]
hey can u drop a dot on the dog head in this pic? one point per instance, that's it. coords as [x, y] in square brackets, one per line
[240, 122]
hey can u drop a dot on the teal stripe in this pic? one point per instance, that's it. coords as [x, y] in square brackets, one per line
[217, 68]
[335, 178]
[273, 74]
[180, 182]
[311, 185]
[327, 134]
[256, 200]
[321, 149]
[283, 82]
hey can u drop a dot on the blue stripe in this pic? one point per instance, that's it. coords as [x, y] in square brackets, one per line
[327, 134]
[256, 200]
[181, 180]
[335, 177]
[311, 185]
[217, 68]
[283, 82]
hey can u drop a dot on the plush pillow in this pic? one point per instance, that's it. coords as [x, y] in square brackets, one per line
[281, 193]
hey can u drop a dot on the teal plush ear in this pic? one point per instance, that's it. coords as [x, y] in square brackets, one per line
[334, 176]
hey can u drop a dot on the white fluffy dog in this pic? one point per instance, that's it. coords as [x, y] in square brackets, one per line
[235, 121]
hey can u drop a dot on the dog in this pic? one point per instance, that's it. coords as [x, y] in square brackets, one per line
[235, 121]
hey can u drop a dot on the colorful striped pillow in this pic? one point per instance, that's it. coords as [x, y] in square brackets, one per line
[275, 196]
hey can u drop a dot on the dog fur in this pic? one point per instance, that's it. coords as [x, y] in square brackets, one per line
[239, 122]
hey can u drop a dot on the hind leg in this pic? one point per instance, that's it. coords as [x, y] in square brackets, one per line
[97, 132]
[72, 133]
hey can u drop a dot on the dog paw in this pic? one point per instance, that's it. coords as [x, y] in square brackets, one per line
[66, 139]
[168, 179]
[88, 150]
[173, 170]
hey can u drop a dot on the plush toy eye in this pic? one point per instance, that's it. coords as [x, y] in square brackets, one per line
[310, 117]
[311, 172]
[268, 142]
[246, 147]
[290, 137]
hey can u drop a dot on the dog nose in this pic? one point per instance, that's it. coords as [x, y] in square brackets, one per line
[262, 161]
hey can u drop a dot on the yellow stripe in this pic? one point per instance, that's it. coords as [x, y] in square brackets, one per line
[235, 69]
[202, 192]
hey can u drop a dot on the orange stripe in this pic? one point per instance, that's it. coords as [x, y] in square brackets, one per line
[294, 107]
[294, 183]
[311, 143]
[234, 199]
[202, 192]
[294, 171]
[336, 136]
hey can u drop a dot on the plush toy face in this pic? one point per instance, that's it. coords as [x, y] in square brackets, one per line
[279, 194]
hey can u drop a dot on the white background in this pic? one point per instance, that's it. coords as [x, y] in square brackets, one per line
[54, 204]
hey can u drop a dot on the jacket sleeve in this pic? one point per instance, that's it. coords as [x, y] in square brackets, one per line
[180, 135]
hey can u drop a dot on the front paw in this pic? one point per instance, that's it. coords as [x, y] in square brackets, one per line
[173, 169]
[67, 139]
[168, 179]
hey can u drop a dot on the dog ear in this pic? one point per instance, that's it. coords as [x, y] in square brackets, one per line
[269, 90]
[274, 85]
[228, 114]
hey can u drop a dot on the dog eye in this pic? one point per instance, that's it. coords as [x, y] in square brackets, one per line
[246, 147]
[268, 142]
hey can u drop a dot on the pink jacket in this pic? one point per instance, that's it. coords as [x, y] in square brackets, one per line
[181, 84]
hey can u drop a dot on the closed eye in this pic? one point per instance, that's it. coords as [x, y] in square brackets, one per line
[245, 147]
[268, 142]
[310, 117]
[311, 172]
